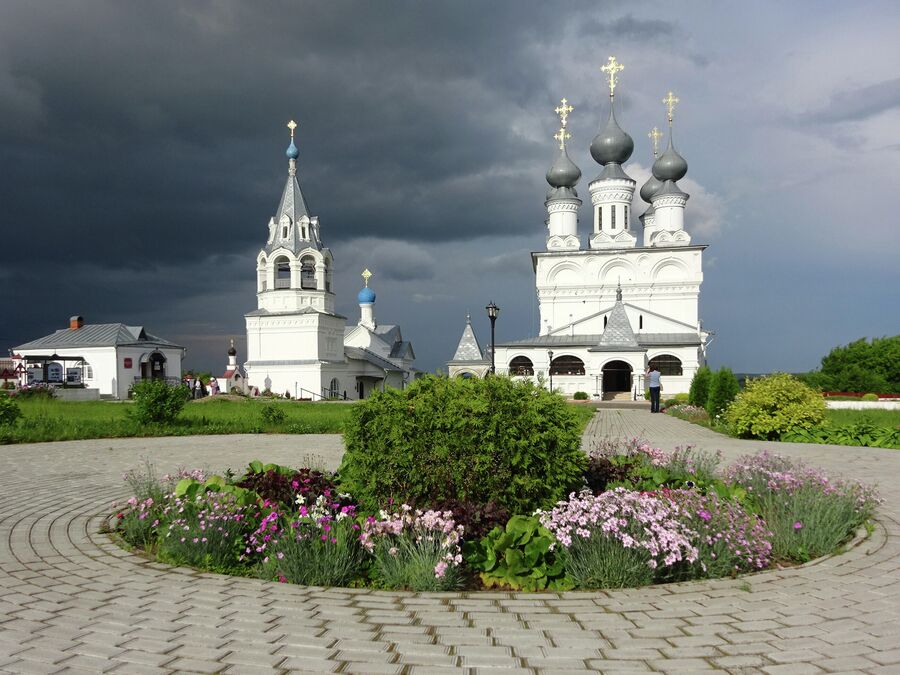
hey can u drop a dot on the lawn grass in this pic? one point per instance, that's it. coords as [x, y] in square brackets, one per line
[51, 420]
[838, 417]
[54, 420]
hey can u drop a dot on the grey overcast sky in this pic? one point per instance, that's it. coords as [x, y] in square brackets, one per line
[142, 154]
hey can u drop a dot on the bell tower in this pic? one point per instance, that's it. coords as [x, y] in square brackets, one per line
[293, 269]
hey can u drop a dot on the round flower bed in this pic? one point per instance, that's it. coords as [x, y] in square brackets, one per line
[643, 517]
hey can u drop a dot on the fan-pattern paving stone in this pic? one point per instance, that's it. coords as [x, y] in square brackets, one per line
[73, 601]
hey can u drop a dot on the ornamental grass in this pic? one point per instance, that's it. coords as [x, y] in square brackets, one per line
[809, 514]
[415, 550]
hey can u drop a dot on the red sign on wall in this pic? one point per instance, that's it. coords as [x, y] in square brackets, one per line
[128, 363]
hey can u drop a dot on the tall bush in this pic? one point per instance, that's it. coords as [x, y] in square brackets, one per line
[477, 440]
[772, 405]
[699, 390]
[723, 387]
[9, 412]
[157, 402]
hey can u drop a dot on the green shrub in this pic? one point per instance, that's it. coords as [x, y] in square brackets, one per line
[478, 440]
[9, 412]
[723, 387]
[773, 405]
[580, 396]
[519, 557]
[699, 391]
[870, 397]
[272, 414]
[157, 402]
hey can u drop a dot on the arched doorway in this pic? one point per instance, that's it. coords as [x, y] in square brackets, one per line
[616, 377]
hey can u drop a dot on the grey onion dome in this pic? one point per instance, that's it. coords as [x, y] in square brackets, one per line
[563, 173]
[612, 144]
[670, 165]
[650, 188]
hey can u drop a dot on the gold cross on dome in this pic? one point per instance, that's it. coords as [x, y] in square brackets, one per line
[292, 125]
[612, 69]
[654, 136]
[563, 112]
[670, 100]
[366, 275]
[562, 136]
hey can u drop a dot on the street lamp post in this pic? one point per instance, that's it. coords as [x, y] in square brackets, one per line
[550, 369]
[493, 312]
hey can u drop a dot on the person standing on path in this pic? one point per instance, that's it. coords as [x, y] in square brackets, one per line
[653, 382]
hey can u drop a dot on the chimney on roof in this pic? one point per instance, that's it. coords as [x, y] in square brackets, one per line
[76, 322]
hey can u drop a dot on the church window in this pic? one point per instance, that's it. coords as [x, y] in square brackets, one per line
[599, 218]
[625, 224]
[612, 211]
[605, 319]
[521, 365]
[282, 272]
[303, 232]
[334, 388]
[666, 364]
[308, 273]
[640, 322]
[567, 365]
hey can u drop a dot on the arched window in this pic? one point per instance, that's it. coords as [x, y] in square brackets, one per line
[567, 365]
[282, 272]
[308, 273]
[521, 365]
[466, 375]
[640, 322]
[605, 319]
[334, 388]
[666, 364]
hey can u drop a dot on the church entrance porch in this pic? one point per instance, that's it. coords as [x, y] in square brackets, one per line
[616, 380]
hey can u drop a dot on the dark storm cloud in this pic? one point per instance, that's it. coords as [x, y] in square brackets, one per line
[860, 103]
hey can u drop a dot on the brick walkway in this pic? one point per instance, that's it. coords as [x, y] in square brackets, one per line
[70, 601]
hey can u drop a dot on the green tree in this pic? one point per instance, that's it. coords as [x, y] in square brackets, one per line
[723, 387]
[699, 392]
[861, 366]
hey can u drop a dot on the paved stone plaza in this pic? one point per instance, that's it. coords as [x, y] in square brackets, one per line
[72, 601]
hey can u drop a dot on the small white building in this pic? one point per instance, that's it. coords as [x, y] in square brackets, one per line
[107, 357]
[296, 343]
[234, 379]
[626, 300]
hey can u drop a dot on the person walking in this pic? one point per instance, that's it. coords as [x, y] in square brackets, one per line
[198, 388]
[655, 386]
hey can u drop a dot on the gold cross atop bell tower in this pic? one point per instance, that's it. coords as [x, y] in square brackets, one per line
[612, 69]
[366, 275]
[670, 100]
[563, 111]
[654, 136]
[292, 125]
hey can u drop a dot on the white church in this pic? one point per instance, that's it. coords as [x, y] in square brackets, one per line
[296, 342]
[626, 300]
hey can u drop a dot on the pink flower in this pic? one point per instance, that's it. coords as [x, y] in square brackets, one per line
[798, 525]
[705, 515]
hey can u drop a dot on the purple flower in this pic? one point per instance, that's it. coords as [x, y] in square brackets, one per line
[798, 525]
[705, 515]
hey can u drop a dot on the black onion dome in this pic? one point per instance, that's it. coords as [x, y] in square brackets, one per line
[612, 145]
[670, 165]
[232, 351]
[650, 188]
[563, 173]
